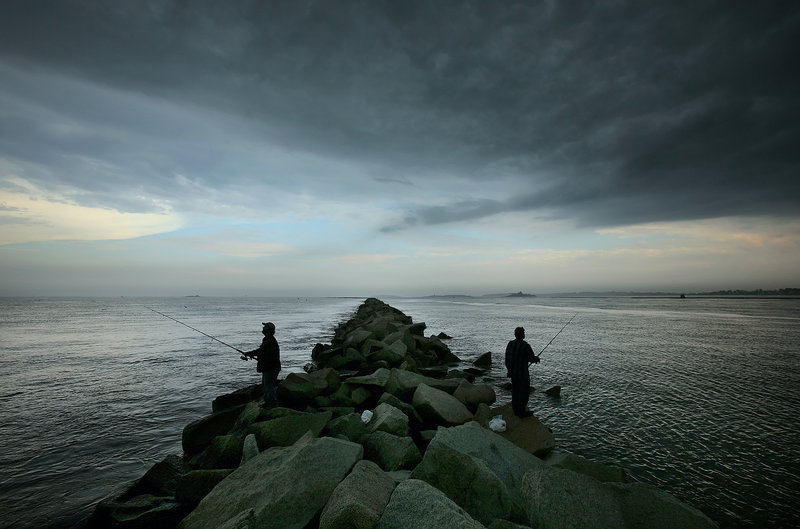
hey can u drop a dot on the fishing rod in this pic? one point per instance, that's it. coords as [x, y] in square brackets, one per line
[244, 355]
[556, 336]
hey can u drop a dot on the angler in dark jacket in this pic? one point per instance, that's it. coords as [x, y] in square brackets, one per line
[519, 356]
[269, 363]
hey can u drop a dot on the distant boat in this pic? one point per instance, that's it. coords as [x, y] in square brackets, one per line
[194, 296]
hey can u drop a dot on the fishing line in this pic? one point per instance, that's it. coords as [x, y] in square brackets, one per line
[244, 357]
[556, 336]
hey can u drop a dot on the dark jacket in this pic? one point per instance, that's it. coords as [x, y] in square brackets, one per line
[518, 356]
[269, 355]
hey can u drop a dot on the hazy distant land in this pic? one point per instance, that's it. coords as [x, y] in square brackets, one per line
[781, 292]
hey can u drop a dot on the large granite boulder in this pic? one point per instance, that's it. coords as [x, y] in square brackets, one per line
[285, 431]
[381, 327]
[199, 434]
[559, 498]
[376, 379]
[139, 512]
[413, 417]
[250, 413]
[389, 419]
[342, 396]
[402, 383]
[391, 452]
[280, 488]
[351, 358]
[160, 480]
[438, 407]
[349, 426]
[527, 432]
[393, 354]
[359, 500]
[585, 466]
[238, 397]
[474, 394]
[484, 361]
[417, 505]
[466, 480]
[508, 461]
[439, 348]
[357, 337]
[195, 485]
[298, 389]
[225, 451]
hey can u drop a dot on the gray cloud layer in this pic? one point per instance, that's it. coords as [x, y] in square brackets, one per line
[607, 113]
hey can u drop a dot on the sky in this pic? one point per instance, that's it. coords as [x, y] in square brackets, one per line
[360, 148]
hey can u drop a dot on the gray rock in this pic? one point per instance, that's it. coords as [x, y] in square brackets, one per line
[378, 378]
[392, 354]
[391, 452]
[508, 461]
[413, 417]
[350, 426]
[402, 383]
[417, 505]
[249, 449]
[341, 397]
[250, 414]
[474, 394]
[460, 373]
[300, 388]
[357, 337]
[360, 395]
[160, 480]
[140, 512]
[237, 398]
[526, 432]
[350, 359]
[434, 371]
[442, 351]
[381, 327]
[467, 481]
[389, 419]
[483, 415]
[339, 411]
[285, 431]
[555, 391]
[439, 407]
[576, 463]
[195, 485]
[198, 434]
[557, 498]
[399, 475]
[426, 436]
[417, 329]
[561, 499]
[484, 361]
[358, 501]
[225, 451]
[404, 335]
[280, 488]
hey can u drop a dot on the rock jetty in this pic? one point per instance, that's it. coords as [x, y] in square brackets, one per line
[381, 431]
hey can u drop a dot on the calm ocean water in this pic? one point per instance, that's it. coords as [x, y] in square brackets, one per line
[697, 396]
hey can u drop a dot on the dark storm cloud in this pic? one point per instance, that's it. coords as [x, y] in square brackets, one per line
[607, 113]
